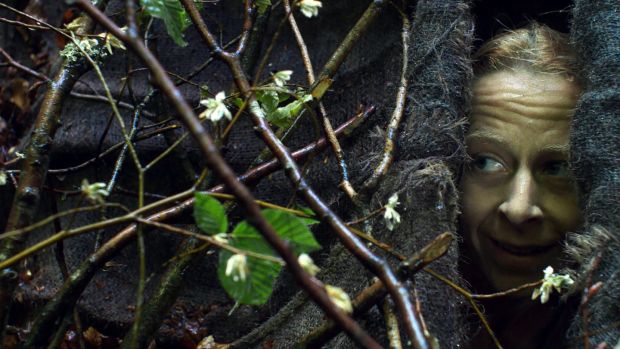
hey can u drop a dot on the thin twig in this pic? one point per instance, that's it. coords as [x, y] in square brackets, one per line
[438, 276]
[36, 164]
[391, 324]
[303, 49]
[22, 24]
[111, 149]
[103, 99]
[374, 263]
[325, 78]
[472, 302]
[345, 184]
[22, 67]
[397, 114]
[34, 170]
[69, 293]
[53, 217]
[374, 293]
[209, 239]
[272, 44]
[507, 292]
[132, 134]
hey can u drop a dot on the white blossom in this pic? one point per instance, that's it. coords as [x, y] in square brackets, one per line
[216, 108]
[237, 267]
[222, 238]
[340, 298]
[206, 343]
[307, 263]
[310, 8]
[392, 218]
[94, 192]
[280, 78]
[551, 281]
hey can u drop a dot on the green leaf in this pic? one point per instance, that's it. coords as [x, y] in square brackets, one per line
[268, 99]
[258, 285]
[292, 229]
[262, 5]
[288, 226]
[209, 214]
[307, 220]
[238, 102]
[283, 116]
[172, 13]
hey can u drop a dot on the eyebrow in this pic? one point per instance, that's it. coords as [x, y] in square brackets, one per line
[490, 137]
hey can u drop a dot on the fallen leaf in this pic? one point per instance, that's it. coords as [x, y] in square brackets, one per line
[93, 337]
[18, 90]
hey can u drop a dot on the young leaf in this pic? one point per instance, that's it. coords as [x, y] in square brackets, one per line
[262, 5]
[307, 220]
[269, 100]
[172, 13]
[256, 288]
[209, 214]
[288, 226]
[258, 284]
[283, 116]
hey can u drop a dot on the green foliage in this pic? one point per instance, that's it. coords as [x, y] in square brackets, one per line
[172, 13]
[249, 279]
[284, 116]
[209, 214]
[280, 116]
[306, 220]
[262, 5]
[261, 274]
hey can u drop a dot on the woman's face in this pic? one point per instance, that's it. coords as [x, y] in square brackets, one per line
[518, 196]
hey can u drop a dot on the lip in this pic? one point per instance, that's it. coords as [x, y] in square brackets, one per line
[523, 251]
[519, 258]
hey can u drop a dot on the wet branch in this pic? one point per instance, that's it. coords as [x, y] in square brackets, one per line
[392, 129]
[52, 313]
[374, 263]
[376, 292]
[34, 170]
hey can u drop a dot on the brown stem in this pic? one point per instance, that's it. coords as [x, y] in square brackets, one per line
[22, 67]
[391, 324]
[303, 49]
[33, 172]
[374, 293]
[103, 99]
[374, 263]
[325, 78]
[52, 313]
[397, 114]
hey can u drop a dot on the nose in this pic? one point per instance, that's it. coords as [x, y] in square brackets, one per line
[521, 203]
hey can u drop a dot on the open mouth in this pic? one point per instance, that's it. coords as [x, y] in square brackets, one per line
[525, 251]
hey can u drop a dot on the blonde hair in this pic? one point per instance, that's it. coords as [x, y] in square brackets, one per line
[535, 48]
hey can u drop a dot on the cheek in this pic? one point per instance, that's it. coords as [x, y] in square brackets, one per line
[477, 205]
[564, 213]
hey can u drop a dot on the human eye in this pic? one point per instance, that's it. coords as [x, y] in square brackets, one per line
[487, 164]
[556, 169]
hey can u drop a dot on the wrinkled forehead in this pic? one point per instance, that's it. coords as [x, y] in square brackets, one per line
[523, 94]
[523, 83]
